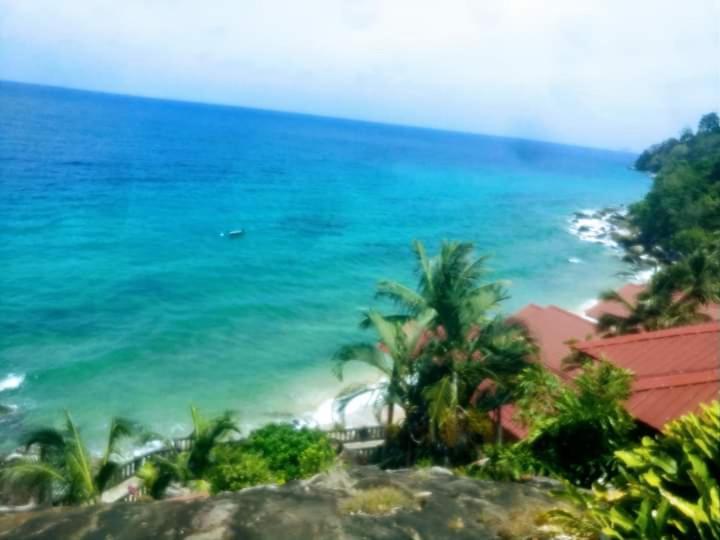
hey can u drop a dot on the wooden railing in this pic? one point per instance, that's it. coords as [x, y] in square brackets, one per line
[344, 436]
[374, 433]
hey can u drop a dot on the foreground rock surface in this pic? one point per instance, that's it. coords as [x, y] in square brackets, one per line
[441, 505]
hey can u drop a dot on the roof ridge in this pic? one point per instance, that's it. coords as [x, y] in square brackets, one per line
[686, 330]
[676, 380]
[565, 311]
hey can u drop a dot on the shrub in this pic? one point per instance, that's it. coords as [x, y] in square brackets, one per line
[236, 468]
[510, 462]
[291, 453]
[667, 487]
[574, 428]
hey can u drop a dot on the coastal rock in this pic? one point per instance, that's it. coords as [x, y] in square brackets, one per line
[441, 506]
[611, 228]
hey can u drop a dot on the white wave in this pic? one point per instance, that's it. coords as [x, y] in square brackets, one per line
[575, 260]
[11, 381]
[644, 276]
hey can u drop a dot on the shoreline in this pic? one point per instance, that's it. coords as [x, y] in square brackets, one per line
[331, 404]
[357, 402]
[608, 227]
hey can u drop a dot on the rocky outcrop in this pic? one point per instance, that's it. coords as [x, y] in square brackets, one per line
[436, 504]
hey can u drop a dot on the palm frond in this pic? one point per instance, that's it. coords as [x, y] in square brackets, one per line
[442, 398]
[105, 474]
[401, 295]
[47, 440]
[424, 267]
[361, 352]
[366, 322]
[388, 332]
[78, 461]
[613, 296]
[120, 428]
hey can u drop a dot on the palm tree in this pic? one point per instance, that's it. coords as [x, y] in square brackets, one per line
[505, 351]
[192, 465]
[449, 284]
[651, 311]
[675, 296]
[206, 435]
[465, 336]
[64, 471]
[694, 281]
[400, 344]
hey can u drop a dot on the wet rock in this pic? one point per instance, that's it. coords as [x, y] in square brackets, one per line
[451, 506]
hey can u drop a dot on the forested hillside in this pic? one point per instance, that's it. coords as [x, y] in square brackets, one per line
[682, 210]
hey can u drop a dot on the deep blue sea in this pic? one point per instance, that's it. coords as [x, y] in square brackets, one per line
[118, 295]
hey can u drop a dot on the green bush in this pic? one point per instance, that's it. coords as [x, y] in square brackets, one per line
[668, 487]
[291, 453]
[236, 468]
[574, 428]
[509, 462]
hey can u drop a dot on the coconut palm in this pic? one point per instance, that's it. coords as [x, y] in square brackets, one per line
[479, 377]
[465, 338]
[675, 296]
[449, 284]
[649, 312]
[694, 281]
[400, 344]
[64, 471]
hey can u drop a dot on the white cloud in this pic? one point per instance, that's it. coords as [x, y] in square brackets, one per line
[612, 73]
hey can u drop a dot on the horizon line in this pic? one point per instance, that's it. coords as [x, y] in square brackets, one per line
[187, 101]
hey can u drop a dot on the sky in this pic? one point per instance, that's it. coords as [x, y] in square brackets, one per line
[617, 74]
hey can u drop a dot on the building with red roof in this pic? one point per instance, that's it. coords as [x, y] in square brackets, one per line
[554, 330]
[675, 370]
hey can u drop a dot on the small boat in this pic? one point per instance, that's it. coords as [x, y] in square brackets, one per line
[233, 234]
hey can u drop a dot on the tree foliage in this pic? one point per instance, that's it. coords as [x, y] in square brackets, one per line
[65, 472]
[682, 210]
[188, 466]
[574, 428]
[677, 295]
[667, 487]
[445, 338]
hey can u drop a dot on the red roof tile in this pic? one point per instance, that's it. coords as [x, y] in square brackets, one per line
[509, 423]
[628, 293]
[675, 370]
[552, 328]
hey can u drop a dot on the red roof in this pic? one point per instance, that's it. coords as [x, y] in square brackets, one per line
[552, 328]
[628, 293]
[675, 369]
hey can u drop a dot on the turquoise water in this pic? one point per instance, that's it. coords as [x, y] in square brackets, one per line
[119, 296]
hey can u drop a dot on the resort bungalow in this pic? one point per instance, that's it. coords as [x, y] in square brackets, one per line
[675, 370]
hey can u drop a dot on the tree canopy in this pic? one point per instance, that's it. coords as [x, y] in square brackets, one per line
[681, 213]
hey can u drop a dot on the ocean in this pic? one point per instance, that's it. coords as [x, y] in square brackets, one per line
[120, 296]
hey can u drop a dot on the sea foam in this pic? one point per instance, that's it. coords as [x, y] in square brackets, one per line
[11, 381]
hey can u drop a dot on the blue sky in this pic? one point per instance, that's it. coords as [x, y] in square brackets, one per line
[611, 73]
